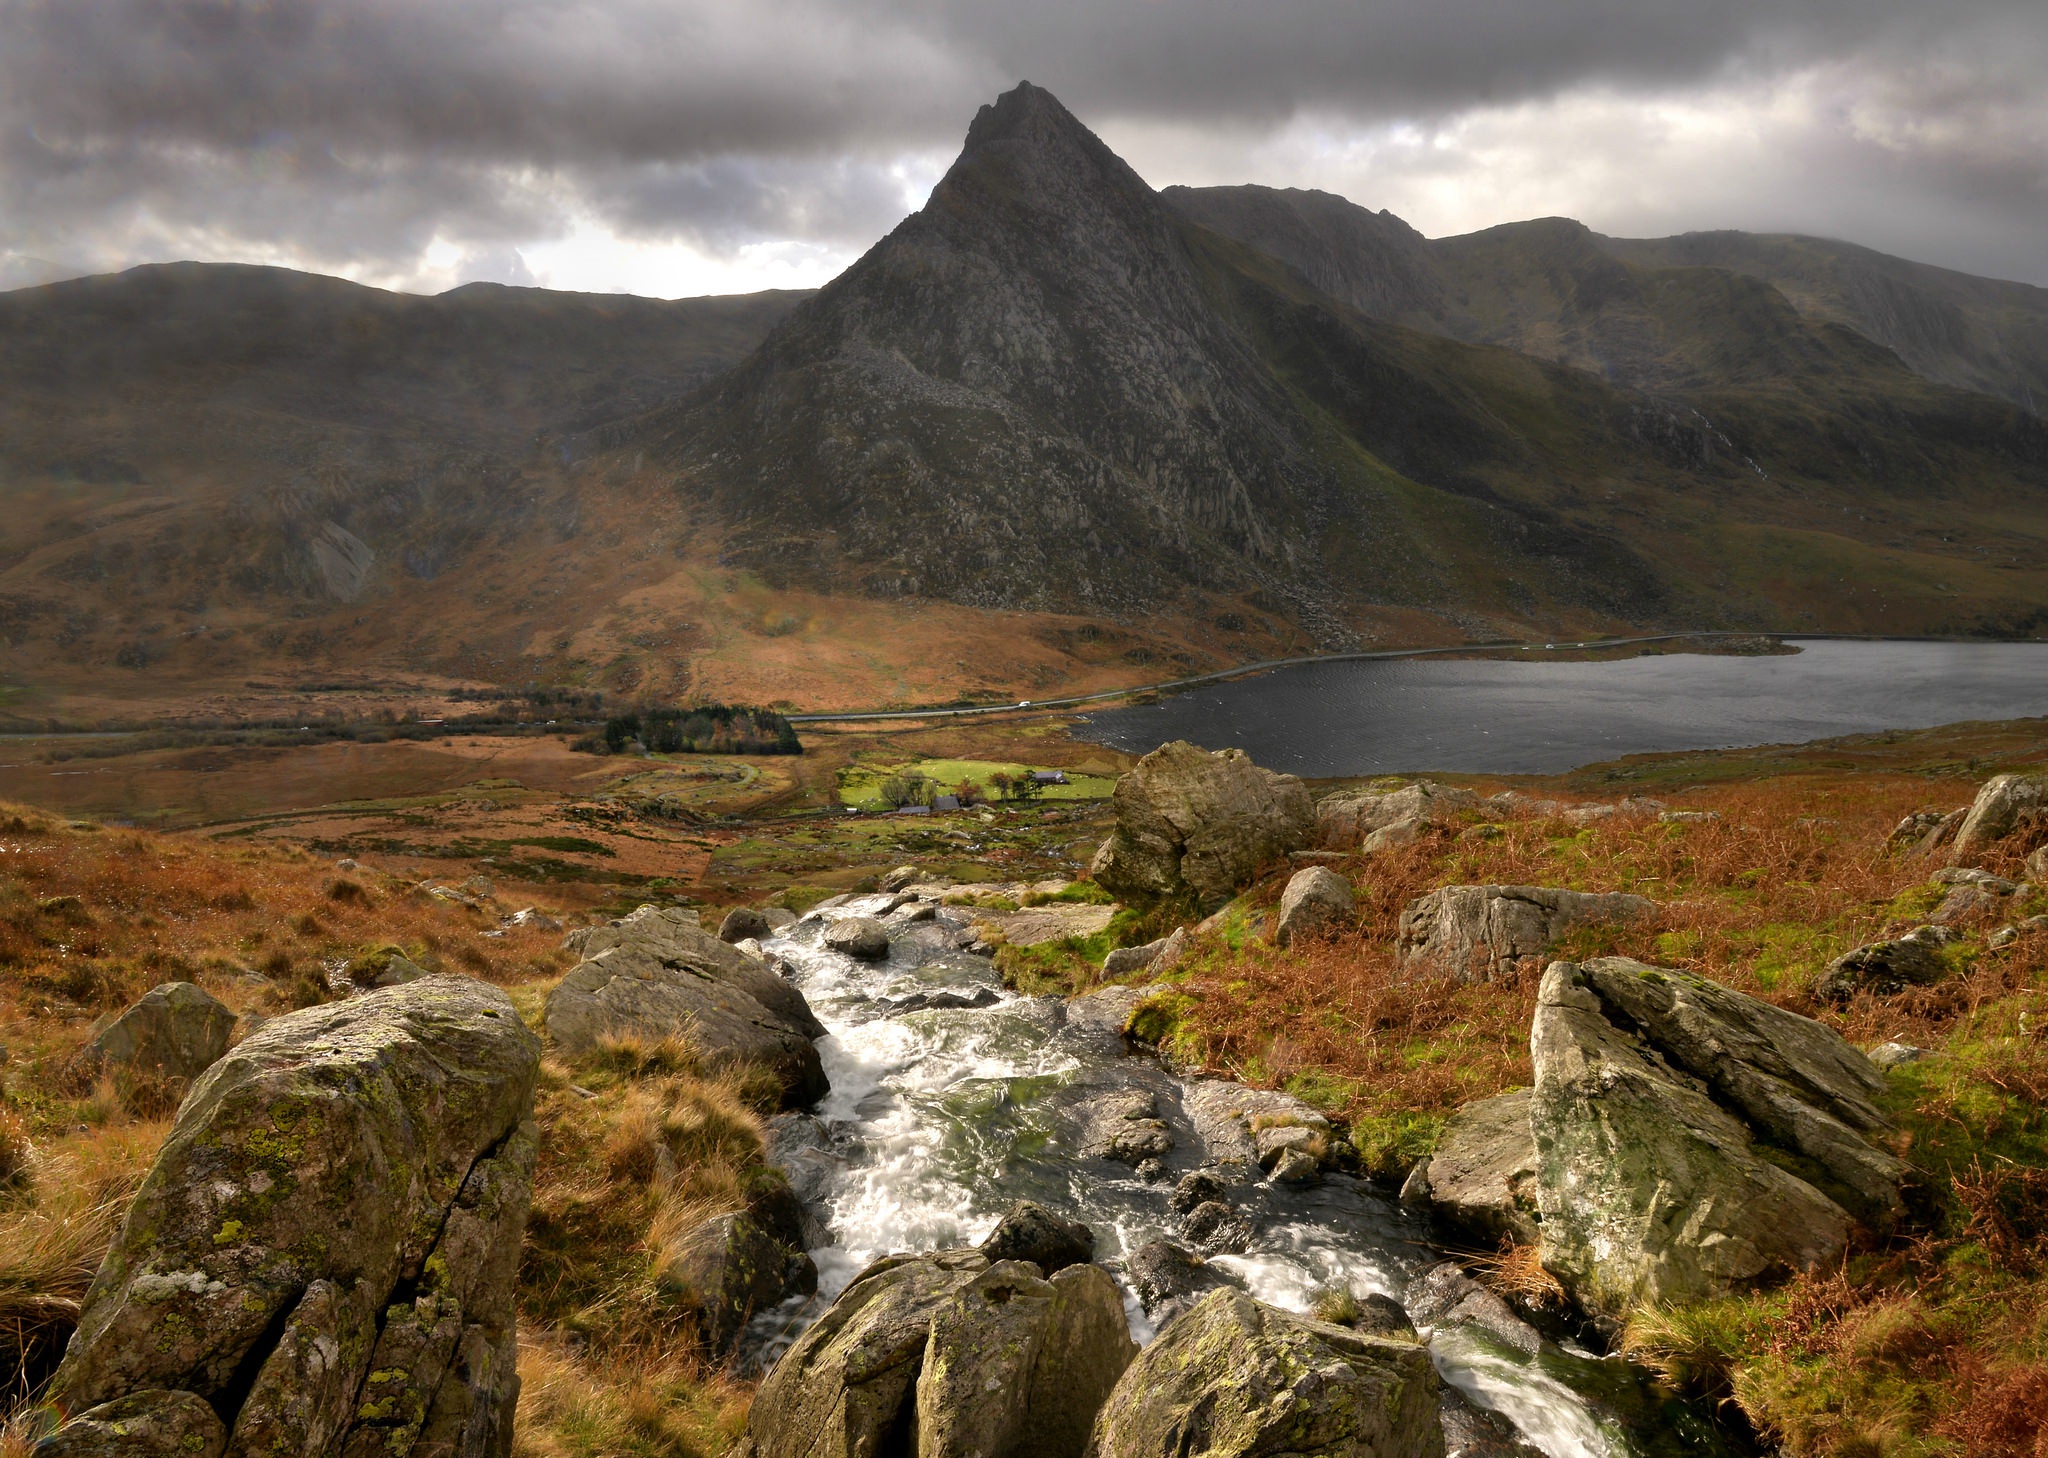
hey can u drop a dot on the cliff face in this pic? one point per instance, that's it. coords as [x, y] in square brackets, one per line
[1022, 395]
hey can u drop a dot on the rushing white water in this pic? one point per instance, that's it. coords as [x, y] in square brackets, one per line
[943, 1118]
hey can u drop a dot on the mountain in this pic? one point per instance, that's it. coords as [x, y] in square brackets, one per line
[1054, 387]
[1055, 428]
[1656, 313]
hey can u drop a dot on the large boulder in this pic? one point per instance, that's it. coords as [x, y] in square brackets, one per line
[1485, 933]
[1317, 900]
[1030, 1232]
[1345, 820]
[2006, 806]
[324, 1254]
[1192, 824]
[952, 1354]
[656, 974]
[175, 1031]
[1232, 1378]
[1482, 1175]
[1652, 1185]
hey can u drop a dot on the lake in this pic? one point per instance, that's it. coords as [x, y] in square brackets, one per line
[1518, 716]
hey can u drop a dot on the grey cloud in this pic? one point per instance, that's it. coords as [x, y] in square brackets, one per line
[364, 129]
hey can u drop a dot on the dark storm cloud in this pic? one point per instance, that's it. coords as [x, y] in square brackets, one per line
[364, 129]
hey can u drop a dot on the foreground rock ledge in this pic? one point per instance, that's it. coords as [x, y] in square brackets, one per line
[322, 1260]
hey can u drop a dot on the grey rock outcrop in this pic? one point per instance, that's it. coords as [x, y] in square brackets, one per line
[1194, 824]
[1482, 1175]
[656, 974]
[2006, 806]
[1253, 1128]
[1887, 967]
[1652, 1089]
[1232, 1378]
[1317, 900]
[954, 1354]
[1484, 933]
[325, 1251]
[177, 1031]
[1345, 820]
[859, 937]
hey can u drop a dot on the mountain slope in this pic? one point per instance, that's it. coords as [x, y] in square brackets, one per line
[1654, 313]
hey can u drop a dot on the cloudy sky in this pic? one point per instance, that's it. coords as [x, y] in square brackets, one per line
[676, 147]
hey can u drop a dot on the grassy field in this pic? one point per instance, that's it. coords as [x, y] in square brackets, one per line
[860, 785]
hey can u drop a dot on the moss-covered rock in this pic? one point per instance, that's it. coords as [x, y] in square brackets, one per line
[325, 1250]
[1232, 1378]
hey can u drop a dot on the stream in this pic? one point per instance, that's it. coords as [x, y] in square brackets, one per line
[940, 1118]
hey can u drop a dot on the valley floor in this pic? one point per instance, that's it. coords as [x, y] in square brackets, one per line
[266, 873]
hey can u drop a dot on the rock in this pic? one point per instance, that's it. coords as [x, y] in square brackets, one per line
[1444, 1295]
[326, 1249]
[1168, 1278]
[1103, 1013]
[950, 1355]
[1649, 1191]
[1030, 1232]
[1482, 1175]
[860, 937]
[1191, 824]
[942, 999]
[1965, 902]
[1233, 1378]
[899, 878]
[741, 923]
[1017, 1365]
[1152, 1169]
[1885, 968]
[2006, 805]
[656, 974]
[728, 1268]
[1230, 1118]
[1896, 1055]
[1272, 1141]
[1389, 837]
[1347, 819]
[1968, 876]
[779, 918]
[385, 967]
[1195, 1189]
[175, 1031]
[2037, 866]
[1036, 924]
[1382, 1315]
[1213, 1228]
[1316, 900]
[1486, 933]
[1294, 1167]
[1124, 1126]
[1158, 957]
[1687, 817]
[1473, 1432]
[152, 1424]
